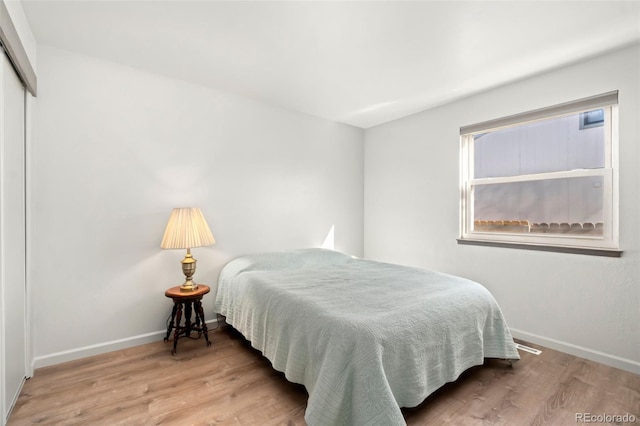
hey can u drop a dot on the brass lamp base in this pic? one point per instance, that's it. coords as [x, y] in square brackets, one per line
[188, 269]
[188, 286]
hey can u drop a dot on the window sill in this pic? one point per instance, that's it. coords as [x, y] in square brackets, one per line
[540, 247]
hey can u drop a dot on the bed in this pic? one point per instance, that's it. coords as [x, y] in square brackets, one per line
[365, 338]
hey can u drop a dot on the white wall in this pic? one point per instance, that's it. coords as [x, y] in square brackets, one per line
[116, 149]
[581, 304]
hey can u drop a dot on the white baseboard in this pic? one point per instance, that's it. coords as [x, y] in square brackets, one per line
[100, 348]
[579, 351]
[78, 353]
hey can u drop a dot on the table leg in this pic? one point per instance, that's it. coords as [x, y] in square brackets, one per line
[176, 333]
[172, 323]
[187, 318]
[200, 313]
[195, 308]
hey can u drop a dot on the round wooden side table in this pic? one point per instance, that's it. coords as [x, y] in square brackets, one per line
[188, 301]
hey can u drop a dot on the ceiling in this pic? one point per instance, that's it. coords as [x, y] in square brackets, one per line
[356, 62]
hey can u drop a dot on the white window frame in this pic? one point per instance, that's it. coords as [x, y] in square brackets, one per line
[606, 244]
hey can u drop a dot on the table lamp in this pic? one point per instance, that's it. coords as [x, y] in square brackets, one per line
[187, 229]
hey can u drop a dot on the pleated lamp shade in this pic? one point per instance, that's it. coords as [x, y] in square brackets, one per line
[186, 229]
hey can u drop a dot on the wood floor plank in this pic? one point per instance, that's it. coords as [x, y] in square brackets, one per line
[230, 383]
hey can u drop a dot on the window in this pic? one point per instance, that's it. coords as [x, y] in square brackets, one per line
[544, 179]
[590, 119]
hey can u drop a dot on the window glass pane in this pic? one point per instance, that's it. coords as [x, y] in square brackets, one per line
[592, 119]
[553, 145]
[572, 205]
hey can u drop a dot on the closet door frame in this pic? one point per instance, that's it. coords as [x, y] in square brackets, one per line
[12, 45]
[14, 315]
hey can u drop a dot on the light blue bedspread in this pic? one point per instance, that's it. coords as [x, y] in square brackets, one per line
[365, 338]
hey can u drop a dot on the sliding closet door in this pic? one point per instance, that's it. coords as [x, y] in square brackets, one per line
[12, 234]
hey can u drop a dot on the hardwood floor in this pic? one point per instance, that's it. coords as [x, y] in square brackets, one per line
[229, 383]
